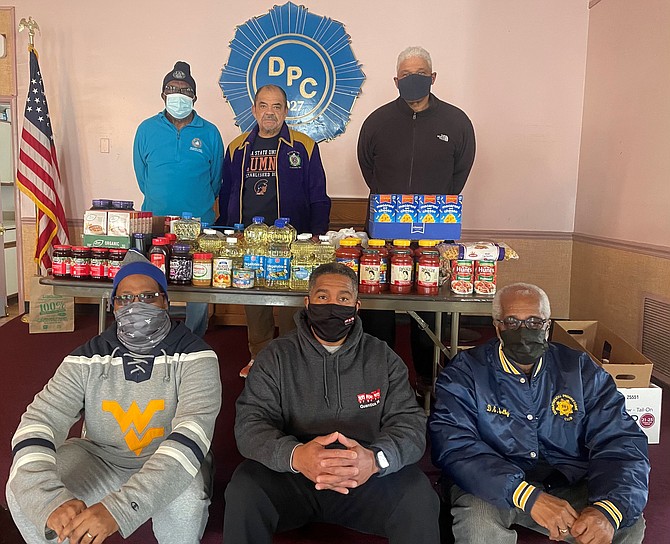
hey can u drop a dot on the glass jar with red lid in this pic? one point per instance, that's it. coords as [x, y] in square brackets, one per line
[369, 272]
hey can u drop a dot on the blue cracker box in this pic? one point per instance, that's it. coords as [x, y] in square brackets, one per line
[428, 208]
[382, 208]
[405, 209]
[451, 209]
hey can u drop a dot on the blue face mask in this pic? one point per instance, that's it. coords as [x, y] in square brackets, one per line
[178, 105]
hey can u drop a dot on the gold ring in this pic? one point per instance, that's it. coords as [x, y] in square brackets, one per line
[89, 535]
[563, 531]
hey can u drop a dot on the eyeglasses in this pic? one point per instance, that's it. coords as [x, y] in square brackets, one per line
[124, 300]
[532, 323]
[171, 89]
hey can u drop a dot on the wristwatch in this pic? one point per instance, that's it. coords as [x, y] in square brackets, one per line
[381, 460]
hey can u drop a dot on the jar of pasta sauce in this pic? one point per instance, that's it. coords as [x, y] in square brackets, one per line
[370, 270]
[401, 271]
[81, 263]
[98, 265]
[380, 246]
[114, 260]
[428, 271]
[349, 254]
[60, 260]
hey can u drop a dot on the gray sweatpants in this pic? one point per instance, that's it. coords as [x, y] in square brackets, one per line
[479, 522]
[90, 479]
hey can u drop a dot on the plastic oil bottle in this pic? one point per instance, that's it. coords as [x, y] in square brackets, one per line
[325, 252]
[256, 247]
[187, 228]
[302, 262]
[210, 241]
[291, 228]
[278, 261]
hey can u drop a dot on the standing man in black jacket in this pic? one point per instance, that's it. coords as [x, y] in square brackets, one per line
[330, 429]
[416, 144]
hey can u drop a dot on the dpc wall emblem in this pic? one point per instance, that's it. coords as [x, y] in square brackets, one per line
[308, 56]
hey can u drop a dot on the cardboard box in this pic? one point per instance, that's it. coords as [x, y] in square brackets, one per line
[95, 222]
[628, 367]
[113, 242]
[644, 406]
[414, 231]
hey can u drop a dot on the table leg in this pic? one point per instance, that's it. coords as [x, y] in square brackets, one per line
[455, 324]
[102, 315]
[436, 360]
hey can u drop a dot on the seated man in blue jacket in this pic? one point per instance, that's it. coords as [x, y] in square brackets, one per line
[536, 434]
[331, 430]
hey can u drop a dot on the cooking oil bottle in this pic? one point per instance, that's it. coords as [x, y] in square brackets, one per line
[210, 241]
[325, 251]
[302, 262]
[256, 248]
[291, 228]
[278, 261]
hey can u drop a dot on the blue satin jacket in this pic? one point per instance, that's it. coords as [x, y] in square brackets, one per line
[492, 424]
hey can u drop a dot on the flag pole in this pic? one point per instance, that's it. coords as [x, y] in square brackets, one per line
[38, 174]
[32, 26]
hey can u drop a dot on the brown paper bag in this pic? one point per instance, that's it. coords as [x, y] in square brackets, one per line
[49, 312]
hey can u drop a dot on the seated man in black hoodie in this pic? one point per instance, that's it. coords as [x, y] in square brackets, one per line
[331, 430]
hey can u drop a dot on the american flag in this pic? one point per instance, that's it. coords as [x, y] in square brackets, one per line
[38, 174]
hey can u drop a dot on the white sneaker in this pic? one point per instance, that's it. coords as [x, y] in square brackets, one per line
[245, 371]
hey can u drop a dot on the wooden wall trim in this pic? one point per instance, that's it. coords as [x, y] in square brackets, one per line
[640, 248]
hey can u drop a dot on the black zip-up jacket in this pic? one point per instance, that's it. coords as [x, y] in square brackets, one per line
[297, 391]
[429, 152]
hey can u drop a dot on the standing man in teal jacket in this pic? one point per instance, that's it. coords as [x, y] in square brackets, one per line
[178, 160]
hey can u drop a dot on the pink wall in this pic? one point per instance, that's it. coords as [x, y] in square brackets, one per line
[624, 192]
[516, 67]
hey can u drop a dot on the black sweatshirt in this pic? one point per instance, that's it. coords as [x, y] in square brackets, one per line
[297, 390]
[429, 152]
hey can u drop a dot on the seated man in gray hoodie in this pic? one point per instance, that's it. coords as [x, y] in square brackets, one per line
[331, 430]
[149, 392]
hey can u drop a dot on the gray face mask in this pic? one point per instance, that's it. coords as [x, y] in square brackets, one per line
[141, 326]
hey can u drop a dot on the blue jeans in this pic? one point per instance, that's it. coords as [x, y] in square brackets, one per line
[197, 317]
[479, 522]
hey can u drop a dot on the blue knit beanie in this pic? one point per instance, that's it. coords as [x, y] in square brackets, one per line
[142, 267]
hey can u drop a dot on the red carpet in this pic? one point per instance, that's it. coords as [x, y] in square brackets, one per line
[28, 361]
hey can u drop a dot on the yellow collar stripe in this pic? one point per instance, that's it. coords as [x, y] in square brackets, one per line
[504, 361]
[539, 366]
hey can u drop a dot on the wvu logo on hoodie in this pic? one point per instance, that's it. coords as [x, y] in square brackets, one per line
[139, 440]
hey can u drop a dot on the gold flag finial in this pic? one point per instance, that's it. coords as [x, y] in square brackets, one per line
[32, 26]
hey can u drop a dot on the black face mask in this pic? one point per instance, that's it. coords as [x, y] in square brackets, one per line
[414, 87]
[331, 322]
[524, 346]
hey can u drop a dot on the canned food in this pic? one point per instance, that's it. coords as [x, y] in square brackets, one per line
[243, 278]
[462, 273]
[222, 272]
[485, 277]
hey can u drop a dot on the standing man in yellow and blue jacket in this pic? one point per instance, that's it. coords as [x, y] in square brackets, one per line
[536, 434]
[273, 171]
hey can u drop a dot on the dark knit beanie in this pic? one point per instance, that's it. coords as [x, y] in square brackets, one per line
[180, 72]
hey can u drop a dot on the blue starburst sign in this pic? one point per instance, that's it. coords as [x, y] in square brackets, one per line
[308, 56]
